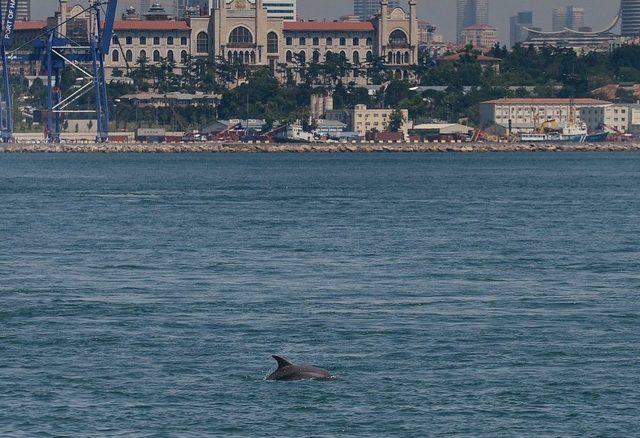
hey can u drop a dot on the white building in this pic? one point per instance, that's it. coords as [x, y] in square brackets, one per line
[365, 120]
[526, 114]
[284, 9]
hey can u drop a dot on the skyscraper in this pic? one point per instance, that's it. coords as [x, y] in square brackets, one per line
[575, 18]
[285, 9]
[559, 19]
[630, 17]
[470, 13]
[518, 24]
[365, 9]
[23, 10]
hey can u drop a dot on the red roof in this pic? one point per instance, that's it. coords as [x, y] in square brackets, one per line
[30, 25]
[151, 25]
[548, 101]
[320, 26]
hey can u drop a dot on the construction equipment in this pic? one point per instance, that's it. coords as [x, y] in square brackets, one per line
[57, 48]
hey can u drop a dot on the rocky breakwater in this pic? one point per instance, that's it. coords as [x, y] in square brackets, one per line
[212, 147]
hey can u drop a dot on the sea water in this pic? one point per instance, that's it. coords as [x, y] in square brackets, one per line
[468, 295]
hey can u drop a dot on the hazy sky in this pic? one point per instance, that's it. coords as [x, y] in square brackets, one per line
[440, 12]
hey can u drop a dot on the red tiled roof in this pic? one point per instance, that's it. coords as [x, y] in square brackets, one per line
[547, 101]
[328, 25]
[150, 25]
[30, 25]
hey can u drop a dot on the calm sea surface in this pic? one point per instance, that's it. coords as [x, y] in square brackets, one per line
[468, 295]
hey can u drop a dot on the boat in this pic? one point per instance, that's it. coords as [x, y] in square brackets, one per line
[567, 134]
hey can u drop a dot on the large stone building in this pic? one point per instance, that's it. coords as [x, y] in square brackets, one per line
[243, 32]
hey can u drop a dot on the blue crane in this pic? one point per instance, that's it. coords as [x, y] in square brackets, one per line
[56, 49]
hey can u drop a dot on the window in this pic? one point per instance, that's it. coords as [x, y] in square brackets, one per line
[356, 41]
[170, 41]
[272, 42]
[302, 57]
[115, 39]
[184, 57]
[143, 55]
[115, 56]
[316, 56]
[289, 41]
[289, 56]
[156, 56]
[129, 56]
[240, 35]
[369, 41]
[316, 41]
[202, 43]
[143, 40]
[329, 41]
[129, 40]
[156, 41]
[369, 56]
[170, 57]
[398, 37]
[343, 41]
[303, 41]
[356, 58]
[183, 41]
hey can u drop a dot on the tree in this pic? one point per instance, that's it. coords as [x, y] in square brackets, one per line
[396, 120]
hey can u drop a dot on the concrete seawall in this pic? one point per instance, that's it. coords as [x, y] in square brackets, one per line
[311, 148]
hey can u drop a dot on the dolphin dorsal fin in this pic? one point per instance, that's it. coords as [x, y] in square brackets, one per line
[282, 362]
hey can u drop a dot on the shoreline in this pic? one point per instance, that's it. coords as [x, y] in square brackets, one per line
[214, 147]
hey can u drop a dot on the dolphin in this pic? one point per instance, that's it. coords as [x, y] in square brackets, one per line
[287, 371]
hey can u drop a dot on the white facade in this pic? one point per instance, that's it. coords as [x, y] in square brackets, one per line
[284, 9]
[526, 114]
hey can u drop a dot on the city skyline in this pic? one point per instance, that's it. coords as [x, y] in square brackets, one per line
[442, 13]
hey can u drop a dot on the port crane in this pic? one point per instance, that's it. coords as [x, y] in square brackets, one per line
[56, 49]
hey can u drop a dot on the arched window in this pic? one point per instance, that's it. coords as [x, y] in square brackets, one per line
[356, 58]
[183, 56]
[156, 56]
[202, 43]
[398, 37]
[398, 58]
[253, 57]
[390, 58]
[115, 56]
[143, 55]
[289, 56]
[316, 56]
[369, 56]
[229, 56]
[343, 54]
[302, 56]
[240, 35]
[407, 58]
[170, 57]
[246, 58]
[272, 42]
[129, 56]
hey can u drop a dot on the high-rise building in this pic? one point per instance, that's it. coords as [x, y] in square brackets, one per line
[365, 9]
[145, 5]
[559, 20]
[471, 13]
[575, 18]
[23, 10]
[630, 17]
[518, 23]
[285, 9]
